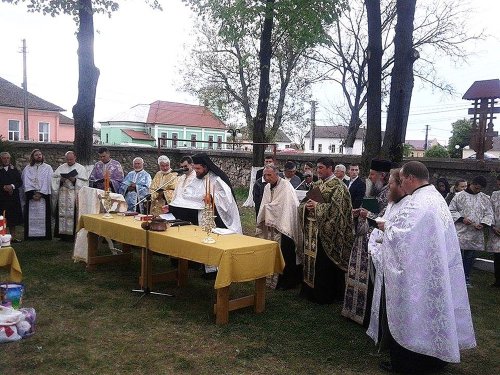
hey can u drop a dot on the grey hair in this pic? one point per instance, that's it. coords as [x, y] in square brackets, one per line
[138, 158]
[340, 167]
[163, 159]
[69, 152]
[3, 153]
[274, 168]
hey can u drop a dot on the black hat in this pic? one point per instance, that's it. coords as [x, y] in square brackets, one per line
[381, 165]
[205, 160]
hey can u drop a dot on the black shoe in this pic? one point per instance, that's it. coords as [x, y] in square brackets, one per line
[209, 275]
[15, 240]
[386, 366]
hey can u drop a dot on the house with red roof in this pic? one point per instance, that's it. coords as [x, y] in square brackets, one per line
[45, 121]
[172, 125]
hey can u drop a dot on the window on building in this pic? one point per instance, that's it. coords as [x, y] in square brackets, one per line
[341, 149]
[320, 147]
[211, 142]
[14, 130]
[43, 132]
[163, 141]
[219, 142]
[333, 149]
[107, 138]
[175, 138]
[193, 140]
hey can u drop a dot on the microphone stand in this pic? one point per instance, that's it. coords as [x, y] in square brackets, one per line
[148, 196]
[146, 269]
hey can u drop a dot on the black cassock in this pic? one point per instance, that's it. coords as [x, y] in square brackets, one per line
[11, 204]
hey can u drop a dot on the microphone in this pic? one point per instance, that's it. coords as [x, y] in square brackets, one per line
[180, 170]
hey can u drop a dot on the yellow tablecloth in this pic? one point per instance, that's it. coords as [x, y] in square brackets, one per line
[8, 258]
[239, 258]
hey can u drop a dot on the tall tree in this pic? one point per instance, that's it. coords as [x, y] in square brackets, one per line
[401, 82]
[301, 23]
[441, 29]
[373, 137]
[83, 13]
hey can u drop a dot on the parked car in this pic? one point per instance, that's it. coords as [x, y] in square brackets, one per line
[486, 156]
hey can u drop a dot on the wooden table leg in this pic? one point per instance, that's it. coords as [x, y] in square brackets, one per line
[260, 295]
[182, 272]
[92, 242]
[222, 309]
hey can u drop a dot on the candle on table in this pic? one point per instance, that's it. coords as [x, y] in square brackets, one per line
[106, 181]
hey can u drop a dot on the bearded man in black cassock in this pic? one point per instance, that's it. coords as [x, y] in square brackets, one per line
[10, 182]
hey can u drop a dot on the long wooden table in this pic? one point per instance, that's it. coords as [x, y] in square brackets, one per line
[239, 258]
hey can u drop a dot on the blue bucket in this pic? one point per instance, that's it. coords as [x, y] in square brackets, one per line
[11, 294]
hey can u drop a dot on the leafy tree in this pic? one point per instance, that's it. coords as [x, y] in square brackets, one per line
[437, 151]
[407, 150]
[460, 135]
[83, 13]
[441, 29]
[300, 24]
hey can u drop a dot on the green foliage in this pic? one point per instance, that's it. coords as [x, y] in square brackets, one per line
[57, 7]
[461, 133]
[437, 151]
[407, 149]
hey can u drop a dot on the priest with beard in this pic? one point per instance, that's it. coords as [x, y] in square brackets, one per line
[37, 182]
[424, 305]
[360, 275]
[104, 166]
[226, 208]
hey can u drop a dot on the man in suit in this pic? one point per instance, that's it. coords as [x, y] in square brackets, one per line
[356, 186]
[339, 172]
[289, 174]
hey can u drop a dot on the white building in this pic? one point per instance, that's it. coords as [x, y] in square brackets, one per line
[330, 139]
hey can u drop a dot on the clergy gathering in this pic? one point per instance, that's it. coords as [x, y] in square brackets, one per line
[393, 250]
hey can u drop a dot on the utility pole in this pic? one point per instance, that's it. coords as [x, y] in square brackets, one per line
[313, 123]
[426, 136]
[25, 93]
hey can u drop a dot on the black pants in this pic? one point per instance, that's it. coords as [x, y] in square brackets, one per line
[291, 273]
[329, 281]
[496, 264]
[403, 360]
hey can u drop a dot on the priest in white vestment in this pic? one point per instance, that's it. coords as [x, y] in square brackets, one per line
[135, 187]
[278, 221]
[426, 302]
[37, 183]
[67, 181]
[472, 213]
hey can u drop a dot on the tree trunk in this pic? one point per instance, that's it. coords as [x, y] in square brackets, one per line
[354, 124]
[401, 82]
[264, 85]
[373, 137]
[83, 110]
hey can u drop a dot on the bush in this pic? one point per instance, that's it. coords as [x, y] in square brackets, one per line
[437, 151]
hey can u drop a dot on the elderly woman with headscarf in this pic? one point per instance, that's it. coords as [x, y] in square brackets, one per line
[164, 182]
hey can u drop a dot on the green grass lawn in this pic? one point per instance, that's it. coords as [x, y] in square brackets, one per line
[88, 324]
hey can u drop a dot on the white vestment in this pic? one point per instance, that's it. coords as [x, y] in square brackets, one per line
[38, 178]
[278, 211]
[375, 242]
[192, 193]
[64, 197]
[89, 202]
[477, 208]
[493, 244]
[427, 304]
